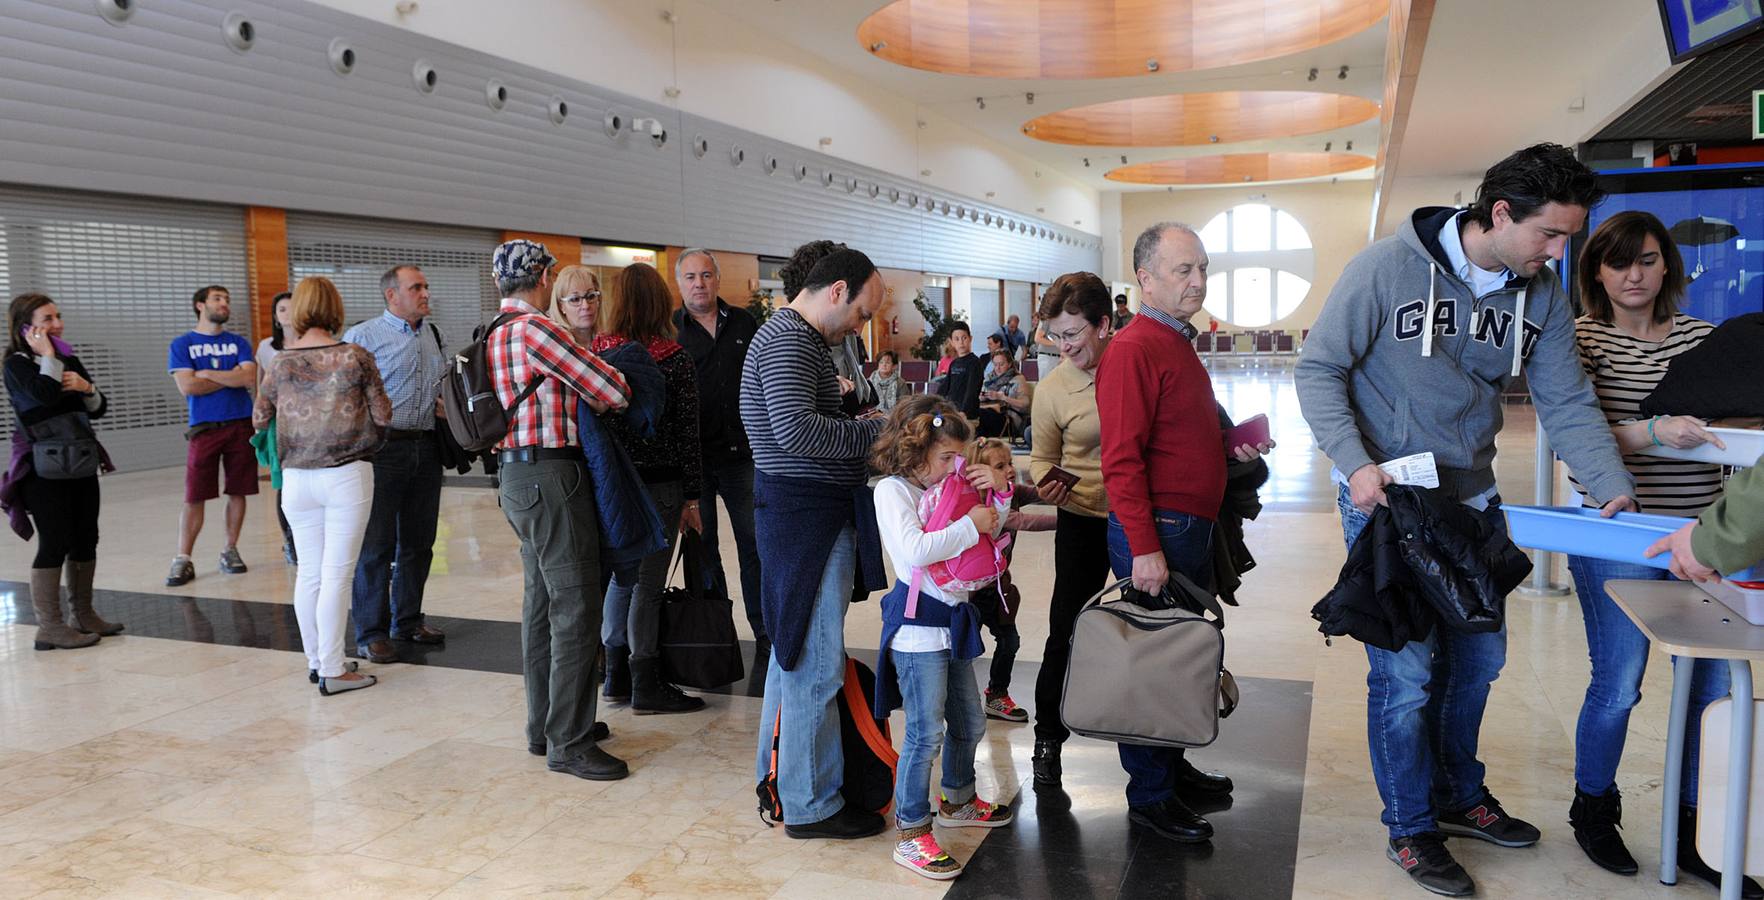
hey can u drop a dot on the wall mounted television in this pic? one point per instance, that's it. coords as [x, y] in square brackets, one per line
[1694, 27]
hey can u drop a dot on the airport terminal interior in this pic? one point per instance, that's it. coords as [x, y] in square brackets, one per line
[169, 165]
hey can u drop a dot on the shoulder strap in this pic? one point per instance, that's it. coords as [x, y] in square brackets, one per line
[500, 320]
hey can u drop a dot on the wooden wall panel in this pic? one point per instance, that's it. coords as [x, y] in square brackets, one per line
[266, 252]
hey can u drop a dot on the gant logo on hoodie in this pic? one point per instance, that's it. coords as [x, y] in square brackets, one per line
[1492, 325]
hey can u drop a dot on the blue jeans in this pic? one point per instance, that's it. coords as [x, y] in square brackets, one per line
[1619, 654]
[937, 690]
[734, 483]
[1187, 541]
[1424, 708]
[399, 546]
[811, 761]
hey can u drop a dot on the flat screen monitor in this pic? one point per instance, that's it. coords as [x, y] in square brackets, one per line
[1696, 26]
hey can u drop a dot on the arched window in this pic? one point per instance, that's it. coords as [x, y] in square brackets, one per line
[1261, 263]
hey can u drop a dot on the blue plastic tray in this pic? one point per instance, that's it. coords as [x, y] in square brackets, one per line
[1624, 537]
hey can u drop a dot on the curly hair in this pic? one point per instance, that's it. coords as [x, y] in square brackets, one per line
[914, 429]
[795, 272]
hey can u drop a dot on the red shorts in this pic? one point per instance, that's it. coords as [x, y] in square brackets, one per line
[226, 448]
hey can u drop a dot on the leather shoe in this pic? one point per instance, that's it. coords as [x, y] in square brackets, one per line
[593, 764]
[423, 635]
[597, 734]
[378, 652]
[848, 824]
[1193, 782]
[1046, 763]
[1172, 819]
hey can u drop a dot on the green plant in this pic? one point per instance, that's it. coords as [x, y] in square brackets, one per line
[759, 305]
[937, 329]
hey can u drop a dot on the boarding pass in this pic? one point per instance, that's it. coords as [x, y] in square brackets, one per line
[1417, 470]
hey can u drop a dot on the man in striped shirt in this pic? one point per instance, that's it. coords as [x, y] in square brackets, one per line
[545, 500]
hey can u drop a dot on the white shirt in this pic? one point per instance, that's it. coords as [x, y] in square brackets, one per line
[910, 546]
[1482, 281]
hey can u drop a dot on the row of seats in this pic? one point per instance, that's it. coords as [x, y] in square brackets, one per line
[1251, 343]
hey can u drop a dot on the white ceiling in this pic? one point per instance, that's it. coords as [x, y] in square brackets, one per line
[828, 29]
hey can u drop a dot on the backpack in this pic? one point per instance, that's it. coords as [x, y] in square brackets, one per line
[868, 748]
[474, 416]
[974, 568]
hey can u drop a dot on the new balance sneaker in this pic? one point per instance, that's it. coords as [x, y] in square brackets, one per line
[182, 570]
[919, 851]
[975, 813]
[1485, 820]
[230, 562]
[1426, 860]
[1001, 706]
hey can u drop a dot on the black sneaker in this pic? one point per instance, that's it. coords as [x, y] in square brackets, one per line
[1426, 859]
[848, 824]
[1484, 820]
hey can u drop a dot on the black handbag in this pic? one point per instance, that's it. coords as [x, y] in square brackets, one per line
[699, 647]
[64, 447]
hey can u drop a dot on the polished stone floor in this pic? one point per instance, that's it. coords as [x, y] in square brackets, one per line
[189, 757]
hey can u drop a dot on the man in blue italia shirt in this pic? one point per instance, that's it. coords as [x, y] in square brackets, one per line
[400, 541]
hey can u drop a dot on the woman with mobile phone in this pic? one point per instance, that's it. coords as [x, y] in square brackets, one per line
[54, 471]
[1065, 463]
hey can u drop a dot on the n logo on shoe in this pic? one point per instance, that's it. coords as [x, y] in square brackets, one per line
[1482, 817]
[1406, 857]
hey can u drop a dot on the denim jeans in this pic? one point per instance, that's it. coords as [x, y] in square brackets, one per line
[400, 542]
[1424, 708]
[811, 761]
[631, 616]
[942, 708]
[734, 483]
[1187, 542]
[1619, 654]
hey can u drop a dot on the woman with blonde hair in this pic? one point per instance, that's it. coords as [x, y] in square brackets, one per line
[331, 413]
[575, 302]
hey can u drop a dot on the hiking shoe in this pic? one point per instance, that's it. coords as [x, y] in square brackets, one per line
[1486, 821]
[975, 813]
[1426, 859]
[1001, 706]
[182, 571]
[230, 562]
[922, 854]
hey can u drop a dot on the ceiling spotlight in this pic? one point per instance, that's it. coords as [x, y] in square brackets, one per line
[1086, 162]
[924, 173]
[1350, 145]
[1151, 65]
[1029, 98]
[1041, 209]
[1328, 145]
[981, 101]
[1212, 139]
[1123, 159]
[878, 47]
[991, 194]
[826, 142]
[1313, 75]
[1342, 74]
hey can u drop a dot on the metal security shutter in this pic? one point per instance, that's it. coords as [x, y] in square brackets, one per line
[354, 253]
[122, 269]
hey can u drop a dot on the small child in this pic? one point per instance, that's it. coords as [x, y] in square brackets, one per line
[998, 602]
[931, 655]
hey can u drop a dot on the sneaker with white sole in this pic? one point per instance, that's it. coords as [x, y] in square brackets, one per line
[230, 563]
[975, 813]
[1001, 706]
[919, 851]
[182, 570]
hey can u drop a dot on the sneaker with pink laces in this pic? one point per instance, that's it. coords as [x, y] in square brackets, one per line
[975, 813]
[918, 850]
[1001, 706]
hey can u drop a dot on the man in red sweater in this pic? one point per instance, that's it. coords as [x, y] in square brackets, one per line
[1164, 469]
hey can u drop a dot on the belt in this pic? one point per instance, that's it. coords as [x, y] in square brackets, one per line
[399, 434]
[535, 454]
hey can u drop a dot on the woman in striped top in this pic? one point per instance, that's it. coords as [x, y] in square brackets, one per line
[1631, 279]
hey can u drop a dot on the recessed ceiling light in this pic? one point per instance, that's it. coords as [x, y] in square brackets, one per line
[1151, 65]
[1313, 75]
[1342, 74]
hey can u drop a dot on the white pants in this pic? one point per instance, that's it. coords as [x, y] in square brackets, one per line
[328, 511]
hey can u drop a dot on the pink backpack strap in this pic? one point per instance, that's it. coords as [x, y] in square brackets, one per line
[912, 608]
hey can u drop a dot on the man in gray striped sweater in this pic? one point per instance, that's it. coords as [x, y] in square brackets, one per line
[813, 516]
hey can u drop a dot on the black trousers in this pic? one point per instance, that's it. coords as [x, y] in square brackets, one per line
[1081, 568]
[66, 516]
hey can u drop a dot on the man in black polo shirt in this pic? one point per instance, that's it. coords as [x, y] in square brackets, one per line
[717, 335]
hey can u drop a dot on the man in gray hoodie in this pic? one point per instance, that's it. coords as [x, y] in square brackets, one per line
[1411, 353]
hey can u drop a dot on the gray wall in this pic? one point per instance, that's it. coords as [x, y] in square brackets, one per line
[161, 105]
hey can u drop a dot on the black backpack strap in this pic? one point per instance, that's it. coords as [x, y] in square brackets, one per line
[500, 320]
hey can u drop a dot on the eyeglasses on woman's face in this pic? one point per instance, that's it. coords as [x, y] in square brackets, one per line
[1068, 337]
[586, 297]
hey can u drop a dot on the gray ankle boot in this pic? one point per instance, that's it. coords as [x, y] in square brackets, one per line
[52, 632]
[79, 590]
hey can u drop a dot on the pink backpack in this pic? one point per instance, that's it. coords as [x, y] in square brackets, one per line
[977, 566]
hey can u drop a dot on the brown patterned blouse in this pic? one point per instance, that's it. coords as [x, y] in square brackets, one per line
[329, 405]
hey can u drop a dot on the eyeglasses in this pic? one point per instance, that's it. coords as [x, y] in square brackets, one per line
[1068, 337]
[590, 297]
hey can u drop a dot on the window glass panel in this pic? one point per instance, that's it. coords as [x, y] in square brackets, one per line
[1289, 234]
[1213, 237]
[1251, 227]
[1290, 291]
[1252, 303]
[1218, 303]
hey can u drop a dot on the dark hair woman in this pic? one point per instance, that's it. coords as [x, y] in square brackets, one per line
[640, 311]
[54, 470]
[281, 322]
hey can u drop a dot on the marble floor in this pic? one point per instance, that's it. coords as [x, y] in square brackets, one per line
[189, 757]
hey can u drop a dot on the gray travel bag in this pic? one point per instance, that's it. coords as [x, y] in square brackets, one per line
[1149, 670]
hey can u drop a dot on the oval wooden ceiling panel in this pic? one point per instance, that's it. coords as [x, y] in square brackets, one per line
[1238, 168]
[1221, 117]
[1104, 38]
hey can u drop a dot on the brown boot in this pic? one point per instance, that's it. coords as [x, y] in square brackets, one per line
[52, 633]
[79, 590]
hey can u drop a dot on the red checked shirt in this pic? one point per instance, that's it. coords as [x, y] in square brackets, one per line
[531, 345]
